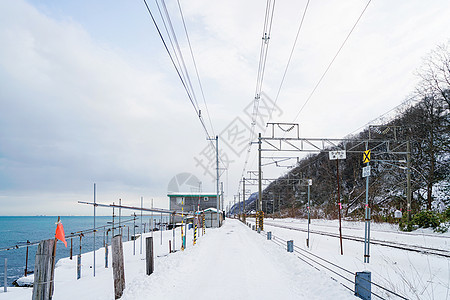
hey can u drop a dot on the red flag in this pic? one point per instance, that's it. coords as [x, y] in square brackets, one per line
[59, 234]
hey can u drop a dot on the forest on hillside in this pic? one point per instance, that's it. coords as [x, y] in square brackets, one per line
[422, 121]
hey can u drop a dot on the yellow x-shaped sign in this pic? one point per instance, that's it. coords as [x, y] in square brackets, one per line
[366, 156]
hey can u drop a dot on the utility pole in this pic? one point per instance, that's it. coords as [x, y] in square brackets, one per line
[217, 175]
[408, 179]
[221, 195]
[366, 173]
[337, 155]
[259, 206]
[339, 204]
[259, 213]
[243, 197]
[309, 211]
[199, 192]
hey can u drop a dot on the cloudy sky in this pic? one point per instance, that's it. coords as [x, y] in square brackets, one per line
[88, 92]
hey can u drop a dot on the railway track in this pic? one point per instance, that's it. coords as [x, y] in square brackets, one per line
[401, 246]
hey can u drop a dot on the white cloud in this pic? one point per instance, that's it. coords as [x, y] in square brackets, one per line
[88, 96]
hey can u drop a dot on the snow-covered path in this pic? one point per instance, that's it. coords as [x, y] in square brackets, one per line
[234, 263]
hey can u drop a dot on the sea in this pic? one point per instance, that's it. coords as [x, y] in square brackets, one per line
[15, 231]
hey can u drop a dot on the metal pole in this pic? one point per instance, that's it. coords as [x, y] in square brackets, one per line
[217, 175]
[259, 206]
[221, 196]
[94, 226]
[134, 234]
[26, 261]
[142, 199]
[173, 231]
[5, 288]
[112, 224]
[408, 179]
[339, 207]
[309, 217]
[366, 228]
[120, 216]
[160, 226]
[151, 220]
[199, 194]
[243, 197]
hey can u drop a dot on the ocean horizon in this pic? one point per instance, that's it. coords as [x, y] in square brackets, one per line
[15, 231]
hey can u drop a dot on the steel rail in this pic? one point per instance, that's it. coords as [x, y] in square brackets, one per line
[413, 248]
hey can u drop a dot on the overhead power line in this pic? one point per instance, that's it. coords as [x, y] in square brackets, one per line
[289, 60]
[267, 28]
[176, 57]
[331, 62]
[196, 69]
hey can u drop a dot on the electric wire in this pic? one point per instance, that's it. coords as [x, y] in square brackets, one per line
[195, 66]
[179, 67]
[279, 89]
[267, 28]
[289, 60]
[332, 61]
[178, 56]
[171, 57]
[323, 75]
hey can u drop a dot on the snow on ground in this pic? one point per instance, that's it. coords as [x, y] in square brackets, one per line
[232, 262]
[411, 274]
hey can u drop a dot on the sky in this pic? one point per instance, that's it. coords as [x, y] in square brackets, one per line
[88, 93]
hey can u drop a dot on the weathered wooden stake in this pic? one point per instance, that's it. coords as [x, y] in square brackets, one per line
[52, 286]
[43, 270]
[149, 255]
[118, 266]
[170, 246]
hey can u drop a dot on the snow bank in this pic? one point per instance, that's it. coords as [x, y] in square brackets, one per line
[232, 262]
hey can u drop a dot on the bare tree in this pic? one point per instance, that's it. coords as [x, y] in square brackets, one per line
[435, 74]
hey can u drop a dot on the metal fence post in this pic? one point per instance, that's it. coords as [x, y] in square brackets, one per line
[5, 288]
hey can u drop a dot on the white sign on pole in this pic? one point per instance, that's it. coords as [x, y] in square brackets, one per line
[309, 181]
[366, 171]
[339, 154]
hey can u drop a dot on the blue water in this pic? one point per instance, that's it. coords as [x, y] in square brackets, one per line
[17, 230]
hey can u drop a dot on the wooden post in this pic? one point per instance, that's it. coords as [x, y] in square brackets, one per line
[71, 247]
[170, 246]
[118, 266]
[43, 270]
[149, 255]
[52, 286]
